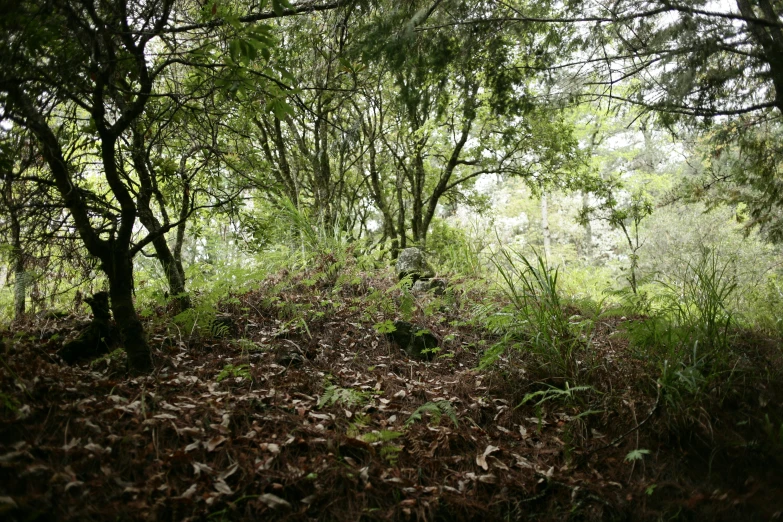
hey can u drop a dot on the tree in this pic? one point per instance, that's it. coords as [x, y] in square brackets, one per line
[460, 102]
[17, 156]
[696, 59]
[78, 75]
[67, 62]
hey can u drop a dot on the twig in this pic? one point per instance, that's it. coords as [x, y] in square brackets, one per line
[621, 437]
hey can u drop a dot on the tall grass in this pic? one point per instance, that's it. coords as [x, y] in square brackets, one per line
[537, 312]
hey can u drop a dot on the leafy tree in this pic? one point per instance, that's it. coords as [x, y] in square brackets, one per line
[24, 222]
[73, 67]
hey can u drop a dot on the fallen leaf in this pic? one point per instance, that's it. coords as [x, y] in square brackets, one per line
[70, 445]
[222, 487]
[7, 503]
[481, 460]
[198, 467]
[189, 492]
[273, 501]
[8, 457]
[73, 484]
[96, 448]
[24, 412]
[215, 441]
[230, 471]
[271, 447]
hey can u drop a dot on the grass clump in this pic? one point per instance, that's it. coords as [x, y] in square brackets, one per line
[536, 319]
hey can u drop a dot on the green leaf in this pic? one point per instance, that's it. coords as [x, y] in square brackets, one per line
[637, 454]
[278, 6]
[235, 49]
[385, 327]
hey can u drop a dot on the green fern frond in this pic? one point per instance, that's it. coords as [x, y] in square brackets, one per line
[554, 393]
[436, 410]
[380, 436]
[348, 397]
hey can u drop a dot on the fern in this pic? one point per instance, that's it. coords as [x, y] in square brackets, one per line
[554, 393]
[348, 397]
[436, 410]
[380, 436]
[230, 370]
[391, 453]
[360, 421]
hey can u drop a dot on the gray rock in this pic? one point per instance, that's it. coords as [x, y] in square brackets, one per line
[411, 262]
[435, 286]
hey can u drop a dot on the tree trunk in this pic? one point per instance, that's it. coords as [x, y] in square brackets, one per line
[400, 217]
[173, 271]
[17, 252]
[545, 227]
[20, 276]
[417, 202]
[588, 248]
[769, 37]
[130, 327]
[175, 275]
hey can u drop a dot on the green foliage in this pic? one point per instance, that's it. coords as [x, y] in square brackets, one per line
[436, 410]
[238, 371]
[637, 454]
[380, 436]
[773, 432]
[385, 327]
[691, 310]
[537, 315]
[455, 251]
[700, 300]
[390, 452]
[566, 394]
[347, 397]
[8, 402]
[117, 355]
[360, 421]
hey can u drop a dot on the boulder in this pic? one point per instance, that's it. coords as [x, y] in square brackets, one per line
[436, 286]
[413, 340]
[411, 262]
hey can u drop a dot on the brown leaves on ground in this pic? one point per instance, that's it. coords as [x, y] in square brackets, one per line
[223, 430]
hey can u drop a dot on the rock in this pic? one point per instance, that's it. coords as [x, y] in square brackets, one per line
[436, 286]
[411, 262]
[98, 338]
[413, 340]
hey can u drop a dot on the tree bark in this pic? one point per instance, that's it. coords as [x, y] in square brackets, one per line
[131, 330]
[20, 276]
[172, 269]
[545, 227]
[588, 248]
[769, 38]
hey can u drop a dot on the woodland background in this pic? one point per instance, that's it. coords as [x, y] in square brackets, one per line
[599, 186]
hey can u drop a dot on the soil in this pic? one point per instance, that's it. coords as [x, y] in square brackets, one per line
[354, 429]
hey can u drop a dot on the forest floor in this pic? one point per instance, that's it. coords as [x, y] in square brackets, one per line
[299, 409]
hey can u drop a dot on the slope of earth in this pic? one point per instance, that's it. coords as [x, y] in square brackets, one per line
[292, 406]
